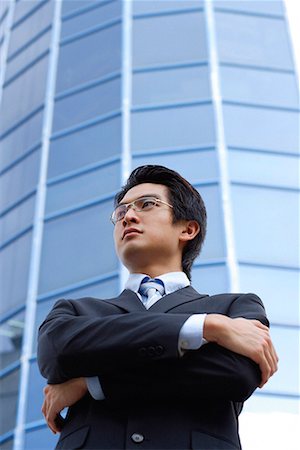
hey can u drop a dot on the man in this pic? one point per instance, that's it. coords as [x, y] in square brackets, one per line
[160, 366]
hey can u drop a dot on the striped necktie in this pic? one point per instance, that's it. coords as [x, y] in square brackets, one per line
[151, 290]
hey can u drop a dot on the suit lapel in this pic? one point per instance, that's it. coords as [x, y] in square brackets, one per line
[128, 301]
[170, 301]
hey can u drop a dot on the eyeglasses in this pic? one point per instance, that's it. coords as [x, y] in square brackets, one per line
[140, 204]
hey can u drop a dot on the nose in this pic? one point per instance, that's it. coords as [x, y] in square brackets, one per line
[130, 216]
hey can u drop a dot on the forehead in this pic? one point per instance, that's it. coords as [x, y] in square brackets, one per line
[141, 190]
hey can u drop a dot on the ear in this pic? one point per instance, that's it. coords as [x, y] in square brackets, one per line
[190, 229]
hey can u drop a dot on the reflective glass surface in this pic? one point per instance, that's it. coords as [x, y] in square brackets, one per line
[99, 55]
[169, 39]
[266, 225]
[69, 6]
[172, 128]
[170, 86]
[278, 288]
[30, 87]
[91, 17]
[156, 6]
[87, 146]
[35, 394]
[83, 188]
[258, 41]
[15, 220]
[250, 167]
[33, 25]
[11, 335]
[8, 398]
[210, 280]
[19, 180]
[274, 129]
[259, 87]
[254, 6]
[195, 166]
[14, 269]
[76, 247]
[17, 142]
[40, 439]
[87, 104]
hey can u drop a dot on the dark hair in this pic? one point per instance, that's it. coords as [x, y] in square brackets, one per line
[186, 200]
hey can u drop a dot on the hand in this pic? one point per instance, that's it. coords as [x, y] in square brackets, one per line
[246, 337]
[60, 396]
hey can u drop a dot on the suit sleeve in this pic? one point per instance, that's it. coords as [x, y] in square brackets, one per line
[208, 373]
[72, 345]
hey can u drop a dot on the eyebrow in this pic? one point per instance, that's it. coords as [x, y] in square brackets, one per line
[141, 196]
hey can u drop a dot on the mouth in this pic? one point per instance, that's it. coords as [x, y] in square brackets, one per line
[130, 232]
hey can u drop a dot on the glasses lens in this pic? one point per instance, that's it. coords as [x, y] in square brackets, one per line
[119, 213]
[145, 203]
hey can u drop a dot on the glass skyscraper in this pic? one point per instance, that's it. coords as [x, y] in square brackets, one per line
[89, 90]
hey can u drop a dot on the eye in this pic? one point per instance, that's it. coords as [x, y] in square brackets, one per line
[147, 203]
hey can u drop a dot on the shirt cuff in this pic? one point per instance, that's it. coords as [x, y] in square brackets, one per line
[191, 333]
[94, 387]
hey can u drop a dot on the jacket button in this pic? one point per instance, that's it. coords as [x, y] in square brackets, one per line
[142, 352]
[137, 438]
[151, 351]
[159, 349]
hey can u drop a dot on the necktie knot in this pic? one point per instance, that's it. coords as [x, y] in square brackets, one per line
[151, 290]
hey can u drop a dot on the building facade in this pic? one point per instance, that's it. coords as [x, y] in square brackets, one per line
[89, 90]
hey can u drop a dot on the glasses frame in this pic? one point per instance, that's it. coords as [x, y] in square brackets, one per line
[133, 206]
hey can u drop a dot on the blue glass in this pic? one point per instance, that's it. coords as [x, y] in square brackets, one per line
[253, 6]
[258, 41]
[83, 188]
[85, 146]
[266, 225]
[87, 104]
[250, 167]
[17, 219]
[170, 86]
[14, 270]
[266, 404]
[278, 289]
[210, 280]
[77, 247]
[262, 129]
[99, 54]
[173, 128]
[20, 140]
[151, 6]
[31, 27]
[8, 399]
[11, 339]
[30, 87]
[69, 6]
[40, 439]
[196, 166]
[89, 18]
[169, 39]
[259, 87]
[20, 180]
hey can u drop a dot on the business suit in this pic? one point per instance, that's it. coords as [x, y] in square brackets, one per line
[154, 398]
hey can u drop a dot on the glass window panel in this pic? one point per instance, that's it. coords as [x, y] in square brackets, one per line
[259, 87]
[286, 379]
[266, 404]
[155, 6]
[169, 86]
[278, 289]
[30, 87]
[26, 56]
[87, 146]
[250, 167]
[77, 247]
[169, 39]
[41, 438]
[195, 166]
[83, 188]
[35, 394]
[264, 7]
[266, 225]
[87, 104]
[17, 142]
[19, 181]
[11, 336]
[173, 127]
[259, 41]
[69, 6]
[17, 219]
[32, 26]
[210, 279]
[7, 444]
[104, 289]
[8, 399]
[264, 129]
[92, 17]
[99, 52]
[14, 270]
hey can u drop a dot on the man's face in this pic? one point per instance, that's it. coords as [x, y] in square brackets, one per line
[144, 238]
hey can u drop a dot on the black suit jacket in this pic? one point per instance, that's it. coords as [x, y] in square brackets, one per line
[154, 399]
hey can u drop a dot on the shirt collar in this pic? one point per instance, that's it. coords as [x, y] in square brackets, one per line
[172, 281]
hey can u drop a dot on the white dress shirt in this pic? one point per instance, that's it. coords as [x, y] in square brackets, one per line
[190, 335]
